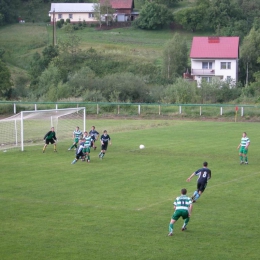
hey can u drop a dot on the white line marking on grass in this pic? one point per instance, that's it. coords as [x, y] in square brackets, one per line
[212, 186]
[114, 208]
[234, 180]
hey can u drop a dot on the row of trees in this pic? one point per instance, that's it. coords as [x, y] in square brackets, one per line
[224, 17]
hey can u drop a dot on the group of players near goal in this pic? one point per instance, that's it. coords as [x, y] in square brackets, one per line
[82, 143]
[182, 204]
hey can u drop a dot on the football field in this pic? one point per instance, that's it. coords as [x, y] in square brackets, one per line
[120, 207]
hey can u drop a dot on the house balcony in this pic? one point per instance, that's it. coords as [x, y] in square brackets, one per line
[201, 72]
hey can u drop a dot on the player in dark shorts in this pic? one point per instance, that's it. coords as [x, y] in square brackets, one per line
[94, 135]
[50, 137]
[79, 153]
[204, 174]
[104, 139]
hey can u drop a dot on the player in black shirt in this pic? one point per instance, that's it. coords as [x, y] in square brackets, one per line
[104, 139]
[204, 175]
[94, 134]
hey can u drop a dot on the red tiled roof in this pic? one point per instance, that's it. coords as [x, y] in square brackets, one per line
[214, 47]
[119, 4]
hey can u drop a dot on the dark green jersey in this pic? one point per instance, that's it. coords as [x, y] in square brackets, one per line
[50, 135]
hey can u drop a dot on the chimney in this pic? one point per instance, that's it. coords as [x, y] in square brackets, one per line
[213, 39]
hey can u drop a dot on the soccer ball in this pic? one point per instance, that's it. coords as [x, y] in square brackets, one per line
[141, 146]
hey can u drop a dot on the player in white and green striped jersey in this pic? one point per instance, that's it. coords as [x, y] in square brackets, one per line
[87, 144]
[77, 135]
[243, 148]
[182, 208]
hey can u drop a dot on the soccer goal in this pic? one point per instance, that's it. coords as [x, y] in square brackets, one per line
[29, 127]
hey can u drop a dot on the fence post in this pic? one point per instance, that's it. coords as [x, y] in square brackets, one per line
[14, 108]
[159, 110]
[35, 107]
[200, 111]
[139, 109]
[118, 109]
[221, 111]
[97, 109]
[56, 106]
[242, 111]
[179, 109]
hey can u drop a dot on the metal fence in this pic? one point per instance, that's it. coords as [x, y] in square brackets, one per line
[138, 109]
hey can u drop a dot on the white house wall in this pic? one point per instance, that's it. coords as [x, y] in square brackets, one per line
[76, 17]
[232, 72]
[198, 72]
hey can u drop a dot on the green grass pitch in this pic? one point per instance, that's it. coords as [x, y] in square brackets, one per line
[120, 207]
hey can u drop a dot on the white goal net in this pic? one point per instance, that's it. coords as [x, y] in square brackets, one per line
[29, 127]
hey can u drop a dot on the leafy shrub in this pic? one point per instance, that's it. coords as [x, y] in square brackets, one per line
[59, 24]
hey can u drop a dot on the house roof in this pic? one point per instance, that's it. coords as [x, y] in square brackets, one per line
[72, 7]
[215, 47]
[120, 4]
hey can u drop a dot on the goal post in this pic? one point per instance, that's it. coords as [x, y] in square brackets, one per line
[29, 127]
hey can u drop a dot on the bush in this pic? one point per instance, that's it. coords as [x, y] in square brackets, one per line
[68, 20]
[59, 24]
[76, 27]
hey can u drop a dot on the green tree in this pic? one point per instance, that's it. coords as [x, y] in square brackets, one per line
[181, 92]
[48, 83]
[168, 3]
[5, 81]
[124, 87]
[8, 11]
[35, 70]
[175, 57]
[222, 12]
[249, 55]
[153, 16]
[81, 80]
[191, 18]
[49, 53]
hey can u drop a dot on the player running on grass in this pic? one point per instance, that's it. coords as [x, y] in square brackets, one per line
[104, 139]
[77, 134]
[182, 208]
[50, 137]
[204, 175]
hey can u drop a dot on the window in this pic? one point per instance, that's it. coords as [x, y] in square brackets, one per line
[90, 15]
[225, 65]
[206, 65]
[60, 16]
[206, 79]
[70, 16]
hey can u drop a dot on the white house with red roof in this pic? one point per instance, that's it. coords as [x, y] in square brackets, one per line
[79, 12]
[214, 57]
[76, 12]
